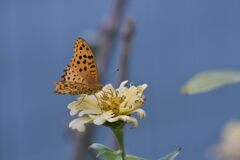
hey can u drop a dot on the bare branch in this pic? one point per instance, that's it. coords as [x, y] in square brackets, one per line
[127, 36]
[108, 35]
[82, 142]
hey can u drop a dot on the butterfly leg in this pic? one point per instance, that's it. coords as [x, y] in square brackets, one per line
[97, 101]
[82, 99]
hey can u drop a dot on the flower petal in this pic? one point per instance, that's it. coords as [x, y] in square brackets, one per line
[88, 101]
[142, 87]
[101, 119]
[122, 88]
[131, 102]
[83, 103]
[74, 108]
[141, 113]
[133, 121]
[79, 123]
[90, 111]
[123, 84]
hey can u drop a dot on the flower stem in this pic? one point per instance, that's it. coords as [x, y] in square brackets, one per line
[119, 133]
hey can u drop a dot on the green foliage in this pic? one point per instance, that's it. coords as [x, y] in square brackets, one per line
[131, 157]
[105, 151]
[171, 156]
[109, 154]
[210, 80]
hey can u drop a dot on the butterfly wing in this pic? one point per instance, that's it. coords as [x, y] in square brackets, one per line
[81, 75]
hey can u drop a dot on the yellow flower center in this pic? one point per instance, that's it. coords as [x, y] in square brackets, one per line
[111, 101]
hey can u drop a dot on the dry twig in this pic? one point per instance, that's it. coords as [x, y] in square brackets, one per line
[108, 35]
[127, 36]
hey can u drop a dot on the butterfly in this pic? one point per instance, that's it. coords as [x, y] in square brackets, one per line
[81, 75]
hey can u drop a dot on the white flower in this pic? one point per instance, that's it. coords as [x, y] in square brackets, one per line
[109, 105]
[229, 146]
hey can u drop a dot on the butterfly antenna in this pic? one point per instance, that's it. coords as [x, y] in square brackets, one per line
[97, 102]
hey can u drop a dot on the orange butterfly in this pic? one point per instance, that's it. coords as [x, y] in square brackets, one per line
[81, 75]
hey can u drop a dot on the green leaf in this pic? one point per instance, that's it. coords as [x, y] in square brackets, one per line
[210, 80]
[105, 152]
[171, 156]
[109, 154]
[131, 157]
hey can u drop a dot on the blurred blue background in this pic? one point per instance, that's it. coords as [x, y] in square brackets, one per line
[174, 40]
